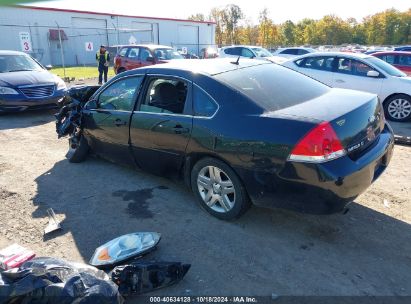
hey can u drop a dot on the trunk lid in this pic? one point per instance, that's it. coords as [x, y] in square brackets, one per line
[356, 117]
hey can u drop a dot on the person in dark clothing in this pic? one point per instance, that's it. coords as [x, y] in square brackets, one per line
[103, 59]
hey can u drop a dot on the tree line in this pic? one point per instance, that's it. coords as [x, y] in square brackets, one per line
[390, 27]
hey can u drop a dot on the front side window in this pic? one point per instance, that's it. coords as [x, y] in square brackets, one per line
[353, 67]
[145, 53]
[289, 52]
[302, 52]
[388, 58]
[204, 104]
[120, 95]
[165, 95]
[167, 54]
[133, 54]
[246, 53]
[317, 63]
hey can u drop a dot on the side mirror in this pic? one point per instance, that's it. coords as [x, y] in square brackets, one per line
[48, 67]
[150, 59]
[373, 74]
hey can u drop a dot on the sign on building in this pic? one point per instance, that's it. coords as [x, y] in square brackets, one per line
[25, 42]
[184, 50]
[132, 40]
[89, 46]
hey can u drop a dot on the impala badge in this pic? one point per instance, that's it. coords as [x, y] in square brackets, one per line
[341, 122]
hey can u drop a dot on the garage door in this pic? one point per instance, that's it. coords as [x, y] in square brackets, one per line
[188, 37]
[88, 30]
[137, 33]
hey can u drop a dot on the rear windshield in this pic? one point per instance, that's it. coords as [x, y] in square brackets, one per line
[273, 87]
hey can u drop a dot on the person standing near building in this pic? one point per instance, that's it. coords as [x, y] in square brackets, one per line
[103, 59]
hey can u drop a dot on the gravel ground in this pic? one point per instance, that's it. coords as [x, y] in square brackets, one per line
[365, 252]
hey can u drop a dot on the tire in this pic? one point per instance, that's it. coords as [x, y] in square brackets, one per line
[77, 151]
[213, 181]
[398, 108]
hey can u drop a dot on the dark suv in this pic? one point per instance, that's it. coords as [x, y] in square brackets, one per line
[135, 56]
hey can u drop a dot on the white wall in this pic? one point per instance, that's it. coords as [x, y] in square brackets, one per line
[96, 28]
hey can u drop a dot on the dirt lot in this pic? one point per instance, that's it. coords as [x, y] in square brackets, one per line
[365, 252]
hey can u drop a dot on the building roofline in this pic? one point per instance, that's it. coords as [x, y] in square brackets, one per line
[106, 14]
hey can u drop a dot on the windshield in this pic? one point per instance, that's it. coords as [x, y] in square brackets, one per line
[167, 54]
[271, 86]
[386, 67]
[16, 63]
[262, 52]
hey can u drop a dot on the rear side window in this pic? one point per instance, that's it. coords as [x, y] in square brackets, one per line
[204, 104]
[273, 87]
[233, 51]
[302, 52]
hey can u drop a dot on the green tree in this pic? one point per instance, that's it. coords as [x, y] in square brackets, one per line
[288, 33]
[197, 17]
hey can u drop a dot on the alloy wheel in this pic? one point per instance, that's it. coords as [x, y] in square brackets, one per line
[216, 189]
[399, 108]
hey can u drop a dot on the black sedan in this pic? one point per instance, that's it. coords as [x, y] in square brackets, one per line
[238, 132]
[26, 85]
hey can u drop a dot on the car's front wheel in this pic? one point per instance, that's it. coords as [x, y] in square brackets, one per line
[218, 189]
[78, 149]
[398, 108]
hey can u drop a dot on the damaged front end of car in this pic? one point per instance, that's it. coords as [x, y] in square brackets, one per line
[69, 118]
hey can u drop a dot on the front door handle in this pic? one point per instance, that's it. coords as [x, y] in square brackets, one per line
[179, 129]
[339, 81]
[119, 122]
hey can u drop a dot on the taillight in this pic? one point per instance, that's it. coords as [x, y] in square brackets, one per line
[321, 144]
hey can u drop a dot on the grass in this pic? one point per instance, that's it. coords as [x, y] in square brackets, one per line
[80, 72]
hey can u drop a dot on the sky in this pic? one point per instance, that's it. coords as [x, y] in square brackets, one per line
[279, 11]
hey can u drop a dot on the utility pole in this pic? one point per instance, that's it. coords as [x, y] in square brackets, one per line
[61, 51]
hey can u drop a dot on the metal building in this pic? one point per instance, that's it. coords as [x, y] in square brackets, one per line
[56, 35]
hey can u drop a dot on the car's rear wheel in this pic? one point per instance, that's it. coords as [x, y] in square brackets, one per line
[218, 189]
[398, 108]
[78, 149]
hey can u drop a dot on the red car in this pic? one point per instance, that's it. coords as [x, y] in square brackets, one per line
[135, 56]
[401, 60]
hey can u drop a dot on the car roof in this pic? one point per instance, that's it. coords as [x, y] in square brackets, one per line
[343, 54]
[8, 52]
[149, 46]
[248, 46]
[393, 53]
[208, 67]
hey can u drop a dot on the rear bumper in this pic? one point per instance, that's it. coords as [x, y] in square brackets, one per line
[320, 188]
[18, 105]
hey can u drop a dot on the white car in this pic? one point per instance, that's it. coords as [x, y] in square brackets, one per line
[247, 51]
[360, 72]
[292, 52]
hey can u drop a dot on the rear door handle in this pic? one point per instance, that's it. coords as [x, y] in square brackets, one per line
[339, 81]
[179, 129]
[119, 122]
